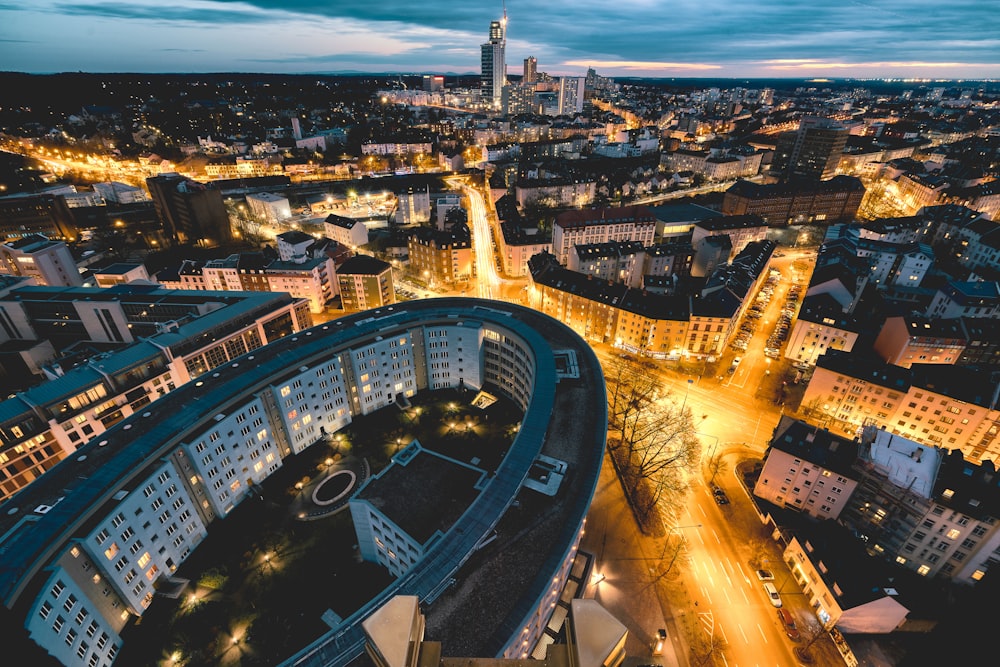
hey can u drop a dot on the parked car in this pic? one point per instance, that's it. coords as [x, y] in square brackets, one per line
[788, 623]
[772, 594]
[765, 575]
[719, 495]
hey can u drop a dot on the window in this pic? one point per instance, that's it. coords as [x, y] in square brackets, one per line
[45, 610]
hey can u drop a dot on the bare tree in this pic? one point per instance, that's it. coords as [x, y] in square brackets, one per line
[652, 440]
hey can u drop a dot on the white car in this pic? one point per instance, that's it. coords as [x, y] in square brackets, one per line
[772, 594]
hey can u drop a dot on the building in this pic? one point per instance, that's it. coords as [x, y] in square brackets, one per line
[414, 207]
[571, 90]
[807, 469]
[166, 481]
[35, 256]
[139, 343]
[582, 227]
[912, 339]
[822, 324]
[643, 322]
[365, 282]
[741, 230]
[190, 212]
[493, 75]
[294, 245]
[441, 257]
[350, 232]
[935, 405]
[269, 208]
[47, 215]
[120, 273]
[121, 193]
[793, 203]
[812, 151]
[593, 637]
[617, 261]
[530, 70]
[966, 299]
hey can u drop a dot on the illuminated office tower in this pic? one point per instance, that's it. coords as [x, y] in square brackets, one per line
[494, 72]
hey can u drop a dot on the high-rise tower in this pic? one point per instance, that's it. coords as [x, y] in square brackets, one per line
[530, 70]
[494, 72]
[813, 151]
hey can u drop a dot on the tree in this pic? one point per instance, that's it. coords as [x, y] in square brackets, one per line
[652, 442]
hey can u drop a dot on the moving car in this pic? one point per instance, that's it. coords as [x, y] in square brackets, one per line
[772, 594]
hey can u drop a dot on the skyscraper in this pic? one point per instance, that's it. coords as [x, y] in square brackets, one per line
[530, 70]
[494, 72]
[813, 151]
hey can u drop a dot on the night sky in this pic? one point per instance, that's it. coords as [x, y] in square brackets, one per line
[676, 38]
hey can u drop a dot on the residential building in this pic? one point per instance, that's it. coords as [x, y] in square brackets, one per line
[269, 208]
[35, 256]
[966, 299]
[167, 481]
[190, 212]
[120, 273]
[47, 215]
[441, 257]
[913, 339]
[414, 207]
[822, 324]
[364, 283]
[741, 230]
[154, 340]
[582, 227]
[813, 150]
[835, 200]
[351, 232]
[571, 92]
[936, 405]
[808, 469]
[617, 261]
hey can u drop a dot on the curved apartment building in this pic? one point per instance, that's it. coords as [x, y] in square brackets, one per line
[83, 546]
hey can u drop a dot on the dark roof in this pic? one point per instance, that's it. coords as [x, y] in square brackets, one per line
[752, 190]
[816, 445]
[865, 367]
[731, 222]
[363, 265]
[975, 488]
[604, 216]
[445, 487]
[546, 270]
[295, 236]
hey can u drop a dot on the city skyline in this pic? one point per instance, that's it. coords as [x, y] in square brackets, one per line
[858, 39]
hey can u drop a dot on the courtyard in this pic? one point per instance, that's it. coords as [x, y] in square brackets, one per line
[285, 560]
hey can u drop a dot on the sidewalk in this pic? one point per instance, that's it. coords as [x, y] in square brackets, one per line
[627, 560]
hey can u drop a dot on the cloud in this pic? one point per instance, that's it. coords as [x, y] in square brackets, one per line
[193, 12]
[632, 35]
[649, 66]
